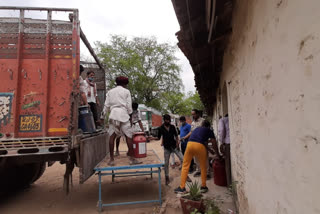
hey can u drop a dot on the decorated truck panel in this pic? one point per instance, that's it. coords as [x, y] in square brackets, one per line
[39, 97]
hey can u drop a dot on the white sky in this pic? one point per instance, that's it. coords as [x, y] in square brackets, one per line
[100, 18]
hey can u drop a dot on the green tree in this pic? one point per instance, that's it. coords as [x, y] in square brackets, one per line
[193, 101]
[178, 103]
[175, 103]
[151, 67]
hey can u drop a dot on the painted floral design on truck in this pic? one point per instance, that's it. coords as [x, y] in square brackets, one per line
[5, 107]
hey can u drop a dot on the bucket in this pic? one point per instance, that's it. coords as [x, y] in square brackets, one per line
[86, 121]
[139, 145]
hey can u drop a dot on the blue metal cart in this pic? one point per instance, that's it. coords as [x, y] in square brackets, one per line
[151, 164]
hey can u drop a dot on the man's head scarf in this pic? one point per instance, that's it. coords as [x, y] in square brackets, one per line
[121, 80]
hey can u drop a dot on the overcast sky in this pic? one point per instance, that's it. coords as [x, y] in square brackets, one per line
[100, 18]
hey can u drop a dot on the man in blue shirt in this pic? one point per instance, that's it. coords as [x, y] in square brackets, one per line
[185, 128]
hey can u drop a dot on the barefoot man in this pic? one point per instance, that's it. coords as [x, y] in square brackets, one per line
[118, 103]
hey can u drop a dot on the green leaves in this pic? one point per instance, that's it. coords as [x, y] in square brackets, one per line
[151, 67]
[194, 191]
[154, 75]
[178, 103]
[193, 100]
[174, 103]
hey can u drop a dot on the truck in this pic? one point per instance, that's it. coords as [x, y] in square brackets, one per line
[151, 119]
[39, 98]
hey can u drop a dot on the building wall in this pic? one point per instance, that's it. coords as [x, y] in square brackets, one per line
[272, 73]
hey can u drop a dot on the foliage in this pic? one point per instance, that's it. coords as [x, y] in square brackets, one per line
[178, 103]
[175, 103]
[151, 67]
[211, 208]
[194, 191]
[233, 187]
[194, 102]
[195, 212]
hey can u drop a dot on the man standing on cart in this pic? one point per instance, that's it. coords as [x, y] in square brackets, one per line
[118, 103]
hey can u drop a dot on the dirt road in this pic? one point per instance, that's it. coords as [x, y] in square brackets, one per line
[46, 196]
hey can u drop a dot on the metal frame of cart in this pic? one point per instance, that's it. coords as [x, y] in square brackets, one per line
[147, 169]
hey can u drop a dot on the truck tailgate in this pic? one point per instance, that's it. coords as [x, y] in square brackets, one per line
[92, 151]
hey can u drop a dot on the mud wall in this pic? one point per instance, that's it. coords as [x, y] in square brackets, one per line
[271, 70]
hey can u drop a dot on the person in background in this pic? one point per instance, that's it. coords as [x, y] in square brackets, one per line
[170, 142]
[173, 163]
[198, 147]
[185, 128]
[92, 96]
[118, 103]
[224, 137]
[196, 122]
[82, 88]
[135, 120]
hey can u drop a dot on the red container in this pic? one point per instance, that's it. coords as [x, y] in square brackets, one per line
[139, 145]
[219, 173]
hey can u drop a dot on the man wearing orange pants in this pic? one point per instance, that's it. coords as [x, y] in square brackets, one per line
[197, 147]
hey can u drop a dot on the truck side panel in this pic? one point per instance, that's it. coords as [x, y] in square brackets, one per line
[156, 120]
[39, 97]
[60, 95]
[7, 88]
[38, 73]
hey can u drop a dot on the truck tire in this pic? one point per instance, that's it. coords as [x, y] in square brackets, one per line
[41, 169]
[20, 176]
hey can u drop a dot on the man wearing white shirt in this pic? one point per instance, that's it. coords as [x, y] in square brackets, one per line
[82, 88]
[118, 103]
[136, 118]
[136, 125]
[92, 95]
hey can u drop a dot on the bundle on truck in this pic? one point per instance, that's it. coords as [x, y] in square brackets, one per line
[39, 98]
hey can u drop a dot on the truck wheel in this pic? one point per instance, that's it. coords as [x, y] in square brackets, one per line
[28, 173]
[41, 168]
[20, 176]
